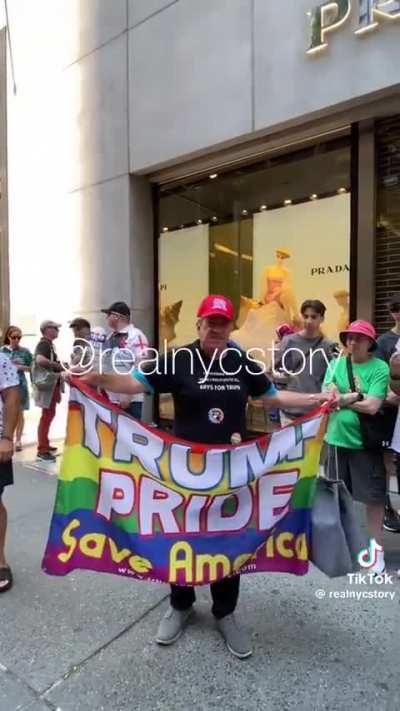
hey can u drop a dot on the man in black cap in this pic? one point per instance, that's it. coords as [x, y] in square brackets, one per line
[388, 344]
[128, 346]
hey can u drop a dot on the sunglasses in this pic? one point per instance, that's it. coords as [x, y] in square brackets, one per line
[15, 338]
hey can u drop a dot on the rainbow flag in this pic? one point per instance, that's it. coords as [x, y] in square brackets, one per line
[134, 501]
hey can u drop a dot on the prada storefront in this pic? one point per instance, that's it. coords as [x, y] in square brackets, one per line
[284, 229]
[312, 212]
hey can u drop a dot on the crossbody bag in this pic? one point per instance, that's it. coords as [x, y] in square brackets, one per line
[376, 430]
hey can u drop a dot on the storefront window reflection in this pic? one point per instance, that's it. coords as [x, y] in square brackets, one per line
[268, 236]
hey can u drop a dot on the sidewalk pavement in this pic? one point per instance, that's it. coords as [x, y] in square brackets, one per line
[85, 642]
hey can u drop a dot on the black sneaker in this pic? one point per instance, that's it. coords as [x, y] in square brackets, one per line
[391, 522]
[46, 456]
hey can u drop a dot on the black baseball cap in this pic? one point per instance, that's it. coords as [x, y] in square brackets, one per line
[79, 323]
[394, 300]
[118, 307]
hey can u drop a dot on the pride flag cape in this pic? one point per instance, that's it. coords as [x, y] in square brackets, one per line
[134, 501]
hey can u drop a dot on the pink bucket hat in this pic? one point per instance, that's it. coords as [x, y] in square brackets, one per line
[363, 328]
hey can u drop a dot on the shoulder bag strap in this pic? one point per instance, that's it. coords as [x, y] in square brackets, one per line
[314, 347]
[331, 473]
[350, 374]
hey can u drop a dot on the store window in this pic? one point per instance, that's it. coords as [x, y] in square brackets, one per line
[387, 273]
[268, 236]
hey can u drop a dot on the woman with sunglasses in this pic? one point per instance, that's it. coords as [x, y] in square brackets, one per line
[22, 358]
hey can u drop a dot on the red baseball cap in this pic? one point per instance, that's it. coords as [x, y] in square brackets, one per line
[216, 305]
[363, 328]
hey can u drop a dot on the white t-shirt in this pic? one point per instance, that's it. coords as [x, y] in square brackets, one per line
[133, 349]
[8, 379]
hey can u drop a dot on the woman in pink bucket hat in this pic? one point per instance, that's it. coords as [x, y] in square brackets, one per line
[360, 328]
[362, 381]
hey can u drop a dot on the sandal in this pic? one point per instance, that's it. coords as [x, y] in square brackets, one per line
[6, 576]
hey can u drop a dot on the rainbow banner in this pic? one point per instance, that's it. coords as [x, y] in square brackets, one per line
[133, 501]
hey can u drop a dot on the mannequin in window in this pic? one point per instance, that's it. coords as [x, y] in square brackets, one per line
[342, 298]
[277, 288]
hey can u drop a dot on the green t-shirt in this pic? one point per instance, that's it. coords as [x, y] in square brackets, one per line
[372, 378]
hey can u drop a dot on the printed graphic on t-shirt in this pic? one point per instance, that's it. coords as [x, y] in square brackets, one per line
[219, 382]
[8, 378]
[210, 397]
[216, 415]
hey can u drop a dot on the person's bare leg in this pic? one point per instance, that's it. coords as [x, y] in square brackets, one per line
[19, 428]
[375, 514]
[3, 563]
[388, 458]
[3, 528]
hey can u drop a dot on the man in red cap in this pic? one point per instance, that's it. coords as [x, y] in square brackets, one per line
[210, 383]
[362, 381]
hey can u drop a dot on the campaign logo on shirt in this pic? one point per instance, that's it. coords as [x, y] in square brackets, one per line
[216, 415]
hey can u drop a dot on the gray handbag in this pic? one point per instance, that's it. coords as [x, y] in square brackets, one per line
[356, 540]
[336, 534]
[42, 378]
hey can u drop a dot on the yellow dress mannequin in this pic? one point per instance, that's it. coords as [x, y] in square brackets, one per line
[277, 286]
[342, 299]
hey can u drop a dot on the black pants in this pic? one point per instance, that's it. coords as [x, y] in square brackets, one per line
[224, 594]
